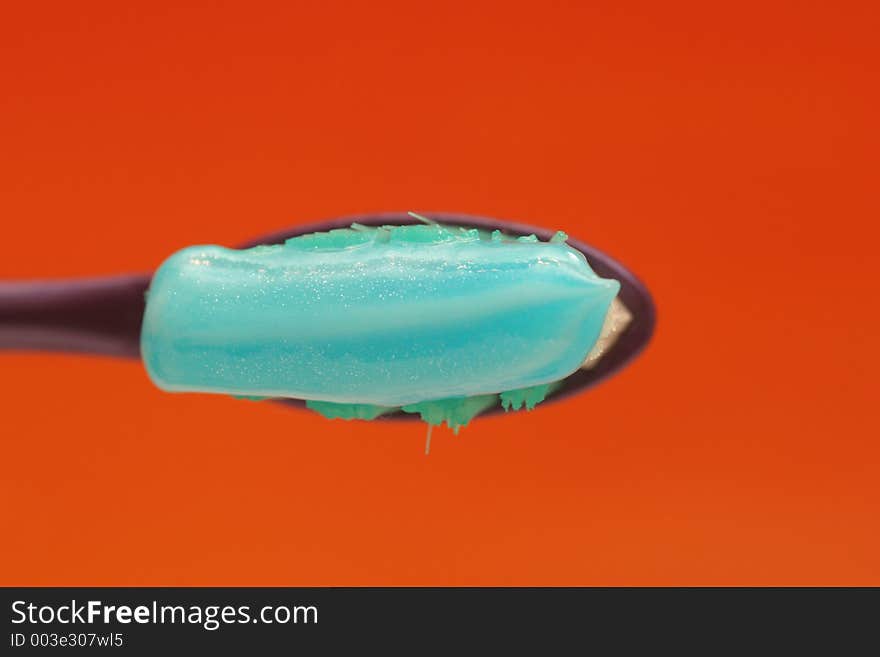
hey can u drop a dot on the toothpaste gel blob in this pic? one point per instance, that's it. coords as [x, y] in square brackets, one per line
[435, 319]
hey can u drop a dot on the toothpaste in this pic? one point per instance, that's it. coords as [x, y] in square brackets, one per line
[374, 318]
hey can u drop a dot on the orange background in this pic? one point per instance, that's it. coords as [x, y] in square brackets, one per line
[728, 155]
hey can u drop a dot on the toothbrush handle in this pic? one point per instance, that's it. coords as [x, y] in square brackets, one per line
[90, 315]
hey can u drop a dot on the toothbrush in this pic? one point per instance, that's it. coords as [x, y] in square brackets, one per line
[105, 315]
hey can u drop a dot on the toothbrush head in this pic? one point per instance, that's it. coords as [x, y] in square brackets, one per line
[632, 317]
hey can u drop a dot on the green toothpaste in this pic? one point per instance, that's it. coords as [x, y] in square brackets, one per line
[360, 322]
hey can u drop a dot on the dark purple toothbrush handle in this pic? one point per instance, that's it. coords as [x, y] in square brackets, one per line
[87, 315]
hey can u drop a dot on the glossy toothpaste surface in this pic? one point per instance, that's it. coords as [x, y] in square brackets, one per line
[386, 316]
